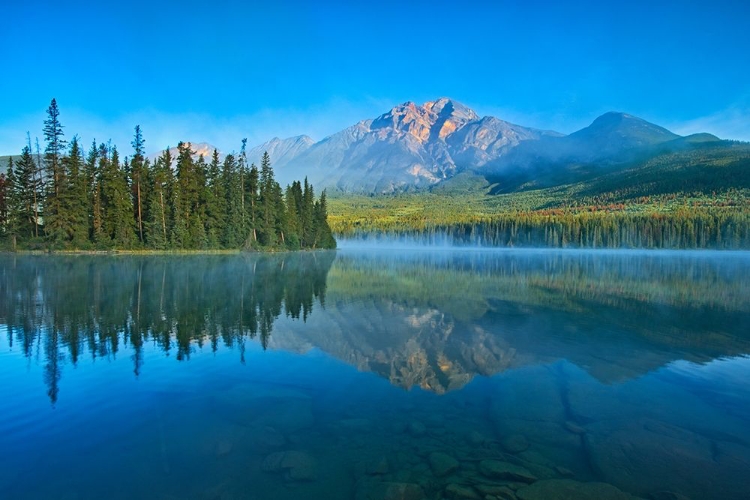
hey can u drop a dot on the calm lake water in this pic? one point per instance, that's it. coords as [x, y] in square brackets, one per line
[376, 373]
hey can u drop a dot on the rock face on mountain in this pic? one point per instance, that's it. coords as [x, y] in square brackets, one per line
[409, 146]
[199, 148]
[281, 151]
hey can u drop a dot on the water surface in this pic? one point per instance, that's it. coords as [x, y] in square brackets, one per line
[376, 373]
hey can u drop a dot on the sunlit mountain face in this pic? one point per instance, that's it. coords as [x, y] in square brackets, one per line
[369, 372]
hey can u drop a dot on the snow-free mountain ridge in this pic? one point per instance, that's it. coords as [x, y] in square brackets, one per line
[416, 146]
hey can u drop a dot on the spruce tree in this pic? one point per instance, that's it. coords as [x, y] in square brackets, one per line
[23, 197]
[323, 235]
[75, 202]
[138, 181]
[232, 237]
[54, 214]
[267, 223]
[215, 196]
[158, 226]
[117, 205]
[4, 188]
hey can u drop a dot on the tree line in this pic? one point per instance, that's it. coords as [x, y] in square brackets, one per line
[683, 229]
[69, 198]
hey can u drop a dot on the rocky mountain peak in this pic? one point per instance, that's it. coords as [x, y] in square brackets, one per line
[433, 120]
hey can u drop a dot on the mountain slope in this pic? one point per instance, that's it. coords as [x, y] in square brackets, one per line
[281, 151]
[410, 146]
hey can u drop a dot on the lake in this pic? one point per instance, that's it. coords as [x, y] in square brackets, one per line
[376, 372]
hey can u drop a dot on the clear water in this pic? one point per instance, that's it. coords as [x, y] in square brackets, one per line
[397, 373]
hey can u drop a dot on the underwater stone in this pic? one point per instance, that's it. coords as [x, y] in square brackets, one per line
[496, 490]
[298, 465]
[504, 470]
[417, 429]
[566, 489]
[515, 443]
[377, 467]
[389, 491]
[459, 492]
[442, 464]
[474, 438]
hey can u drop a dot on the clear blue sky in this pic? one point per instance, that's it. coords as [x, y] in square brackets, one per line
[219, 71]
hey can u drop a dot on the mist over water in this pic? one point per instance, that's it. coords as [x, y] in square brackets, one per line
[384, 367]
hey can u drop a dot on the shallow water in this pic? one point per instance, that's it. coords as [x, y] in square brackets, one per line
[376, 373]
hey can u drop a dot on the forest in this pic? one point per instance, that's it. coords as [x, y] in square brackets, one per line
[66, 198]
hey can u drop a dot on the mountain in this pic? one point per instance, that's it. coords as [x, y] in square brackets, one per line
[414, 146]
[281, 151]
[201, 149]
[410, 146]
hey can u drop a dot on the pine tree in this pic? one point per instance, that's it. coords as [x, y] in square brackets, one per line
[118, 223]
[75, 202]
[54, 213]
[4, 188]
[307, 216]
[253, 180]
[323, 235]
[215, 196]
[159, 227]
[232, 237]
[22, 210]
[267, 204]
[138, 181]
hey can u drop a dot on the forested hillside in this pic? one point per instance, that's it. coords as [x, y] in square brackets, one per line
[69, 198]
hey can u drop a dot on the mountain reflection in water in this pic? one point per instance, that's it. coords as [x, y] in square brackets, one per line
[594, 374]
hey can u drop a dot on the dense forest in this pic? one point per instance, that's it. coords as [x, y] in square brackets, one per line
[68, 198]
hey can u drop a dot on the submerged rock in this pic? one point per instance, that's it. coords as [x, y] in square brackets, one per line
[370, 490]
[568, 489]
[297, 465]
[504, 470]
[461, 492]
[442, 464]
[474, 438]
[514, 443]
[496, 490]
[417, 429]
[270, 438]
[377, 467]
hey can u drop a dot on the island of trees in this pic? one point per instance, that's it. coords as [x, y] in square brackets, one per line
[68, 198]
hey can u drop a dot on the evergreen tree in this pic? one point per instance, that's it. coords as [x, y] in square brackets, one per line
[232, 234]
[307, 216]
[159, 227]
[138, 181]
[323, 235]
[267, 204]
[22, 210]
[54, 214]
[4, 188]
[253, 180]
[215, 196]
[75, 202]
[117, 205]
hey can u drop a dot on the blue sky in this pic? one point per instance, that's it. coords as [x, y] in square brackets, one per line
[218, 71]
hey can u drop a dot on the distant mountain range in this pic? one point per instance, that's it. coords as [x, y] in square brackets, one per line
[419, 146]
[423, 146]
